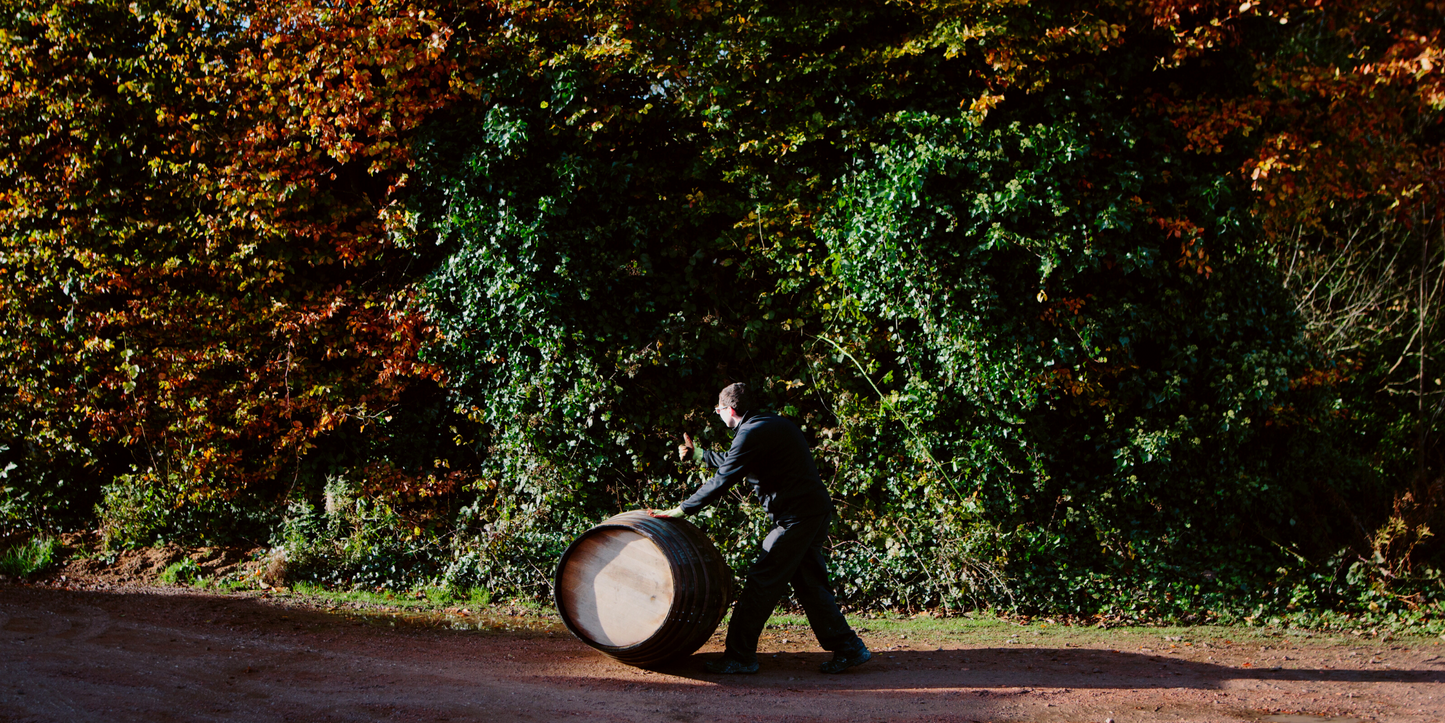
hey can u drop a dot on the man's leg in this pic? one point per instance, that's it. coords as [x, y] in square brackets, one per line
[815, 593]
[784, 549]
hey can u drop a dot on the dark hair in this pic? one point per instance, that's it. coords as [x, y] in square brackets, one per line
[735, 396]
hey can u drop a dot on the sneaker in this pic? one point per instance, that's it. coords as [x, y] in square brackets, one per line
[729, 666]
[844, 660]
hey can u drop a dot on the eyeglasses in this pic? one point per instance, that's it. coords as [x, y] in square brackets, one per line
[719, 408]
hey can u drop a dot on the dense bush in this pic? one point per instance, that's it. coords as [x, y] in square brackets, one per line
[1072, 303]
[31, 557]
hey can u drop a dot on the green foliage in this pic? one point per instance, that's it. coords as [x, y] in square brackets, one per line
[134, 512]
[1106, 404]
[32, 557]
[420, 293]
[138, 510]
[1045, 360]
[40, 489]
[353, 541]
[478, 597]
[182, 572]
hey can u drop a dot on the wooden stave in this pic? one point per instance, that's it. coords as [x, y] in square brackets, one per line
[694, 619]
[702, 589]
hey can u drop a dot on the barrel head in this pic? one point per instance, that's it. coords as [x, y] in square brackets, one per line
[616, 587]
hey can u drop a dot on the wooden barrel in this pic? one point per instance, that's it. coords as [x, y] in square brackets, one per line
[643, 589]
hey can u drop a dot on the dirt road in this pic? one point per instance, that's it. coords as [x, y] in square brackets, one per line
[159, 654]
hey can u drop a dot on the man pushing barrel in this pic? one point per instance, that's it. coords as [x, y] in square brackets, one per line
[770, 452]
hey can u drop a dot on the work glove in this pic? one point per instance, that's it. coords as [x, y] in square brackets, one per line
[674, 512]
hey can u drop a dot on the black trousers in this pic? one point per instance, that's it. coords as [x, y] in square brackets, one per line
[792, 554]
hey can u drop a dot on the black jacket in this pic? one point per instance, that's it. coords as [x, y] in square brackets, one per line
[771, 453]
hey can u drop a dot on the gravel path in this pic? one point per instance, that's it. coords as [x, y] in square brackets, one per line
[163, 654]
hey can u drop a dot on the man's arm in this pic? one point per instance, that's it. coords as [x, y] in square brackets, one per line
[685, 452]
[731, 470]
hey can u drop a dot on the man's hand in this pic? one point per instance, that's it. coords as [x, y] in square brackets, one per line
[684, 450]
[674, 512]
